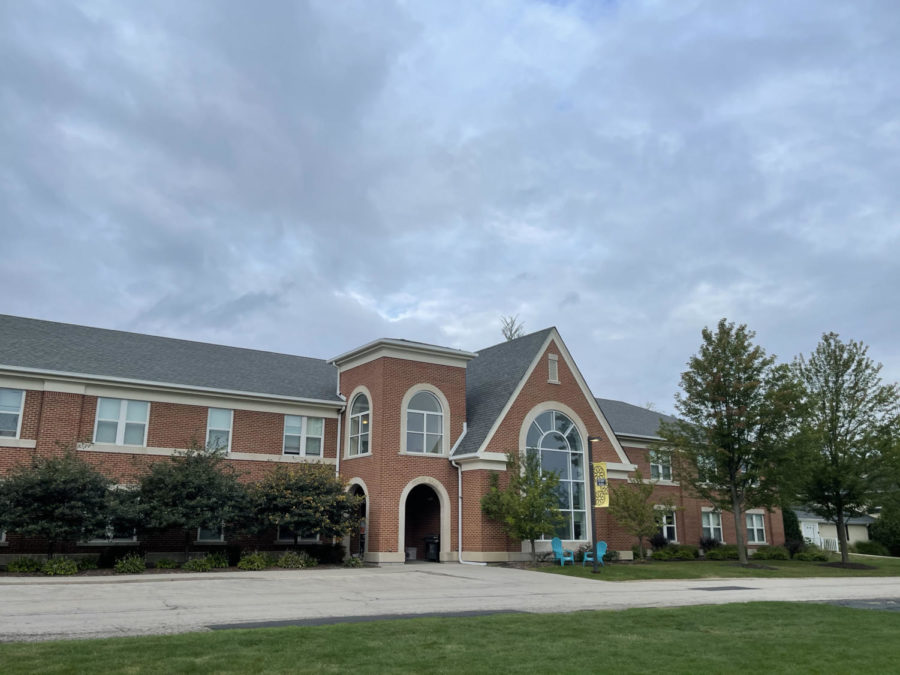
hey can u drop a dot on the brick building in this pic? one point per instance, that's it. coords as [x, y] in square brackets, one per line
[415, 428]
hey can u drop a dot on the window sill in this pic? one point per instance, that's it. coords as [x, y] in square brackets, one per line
[422, 454]
[7, 442]
[367, 454]
[552, 381]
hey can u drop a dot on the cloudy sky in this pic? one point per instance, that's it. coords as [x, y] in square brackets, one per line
[306, 177]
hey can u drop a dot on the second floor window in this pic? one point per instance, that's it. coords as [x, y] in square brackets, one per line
[660, 465]
[121, 421]
[359, 426]
[218, 429]
[303, 435]
[424, 424]
[11, 403]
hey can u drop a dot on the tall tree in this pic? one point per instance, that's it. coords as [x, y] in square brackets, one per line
[193, 489]
[850, 423]
[633, 507]
[735, 409]
[529, 505]
[58, 498]
[511, 327]
[308, 500]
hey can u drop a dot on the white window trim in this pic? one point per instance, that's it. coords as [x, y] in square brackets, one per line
[553, 368]
[762, 520]
[352, 398]
[220, 540]
[109, 540]
[721, 527]
[445, 422]
[304, 434]
[121, 421]
[21, 413]
[673, 513]
[655, 455]
[230, 427]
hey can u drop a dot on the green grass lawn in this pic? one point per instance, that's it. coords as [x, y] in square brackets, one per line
[752, 637]
[701, 569]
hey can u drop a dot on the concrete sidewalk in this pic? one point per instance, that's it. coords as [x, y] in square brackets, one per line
[87, 607]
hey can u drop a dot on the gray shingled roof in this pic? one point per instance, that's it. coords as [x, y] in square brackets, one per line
[856, 520]
[631, 420]
[491, 378]
[67, 348]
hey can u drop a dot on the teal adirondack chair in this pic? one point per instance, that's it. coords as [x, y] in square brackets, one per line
[589, 555]
[560, 553]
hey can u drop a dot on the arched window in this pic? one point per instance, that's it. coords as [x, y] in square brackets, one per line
[424, 424]
[556, 439]
[359, 426]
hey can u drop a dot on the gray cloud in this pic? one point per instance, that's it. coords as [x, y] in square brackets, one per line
[307, 176]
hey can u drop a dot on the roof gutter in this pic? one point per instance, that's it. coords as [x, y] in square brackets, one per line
[459, 502]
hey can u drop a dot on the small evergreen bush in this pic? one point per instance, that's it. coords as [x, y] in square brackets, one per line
[723, 552]
[662, 554]
[294, 560]
[132, 563]
[794, 546]
[24, 566]
[658, 541]
[87, 563]
[709, 543]
[59, 567]
[871, 548]
[353, 561]
[198, 565]
[218, 560]
[254, 561]
[610, 555]
[166, 564]
[771, 553]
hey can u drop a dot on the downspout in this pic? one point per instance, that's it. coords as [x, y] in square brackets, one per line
[459, 503]
[337, 462]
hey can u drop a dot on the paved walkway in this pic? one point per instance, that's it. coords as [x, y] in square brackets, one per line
[86, 607]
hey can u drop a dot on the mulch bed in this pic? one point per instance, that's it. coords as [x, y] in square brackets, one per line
[849, 566]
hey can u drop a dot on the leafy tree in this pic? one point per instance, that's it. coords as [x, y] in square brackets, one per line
[529, 505]
[59, 498]
[193, 489]
[886, 529]
[850, 422]
[633, 507]
[308, 500]
[736, 414]
[512, 328]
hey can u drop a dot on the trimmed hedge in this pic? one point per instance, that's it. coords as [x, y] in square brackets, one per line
[771, 553]
[870, 548]
[724, 552]
[59, 567]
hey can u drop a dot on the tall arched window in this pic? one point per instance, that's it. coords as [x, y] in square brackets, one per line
[424, 424]
[555, 437]
[359, 426]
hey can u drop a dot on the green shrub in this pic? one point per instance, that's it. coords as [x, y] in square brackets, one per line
[771, 553]
[871, 548]
[580, 551]
[24, 566]
[255, 561]
[662, 554]
[724, 552]
[294, 560]
[686, 552]
[132, 563]
[353, 561]
[709, 543]
[166, 564]
[87, 563]
[198, 565]
[59, 567]
[813, 555]
[218, 560]
[610, 555]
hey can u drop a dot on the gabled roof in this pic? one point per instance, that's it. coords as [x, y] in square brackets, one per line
[632, 420]
[855, 520]
[51, 347]
[491, 379]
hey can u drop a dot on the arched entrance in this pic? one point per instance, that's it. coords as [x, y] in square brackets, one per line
[357, 544]
[423, 521]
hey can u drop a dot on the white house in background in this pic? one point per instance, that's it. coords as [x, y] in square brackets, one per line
[823, 533]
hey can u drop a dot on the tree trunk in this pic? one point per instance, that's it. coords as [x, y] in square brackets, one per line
[842, 537]
[738, 511]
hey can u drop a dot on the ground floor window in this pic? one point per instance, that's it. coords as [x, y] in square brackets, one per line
[210, 535]
[711, 522]
[756, 529]
[667, 525]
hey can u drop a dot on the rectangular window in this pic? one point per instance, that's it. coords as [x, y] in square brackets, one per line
[756, 529]
[667, 525]
[303, 435]
[12, 402]
[553, 368]
[218, 429]
[712, 525]
[287, 534]
[660, 465]
[121, 421]
[210, 534]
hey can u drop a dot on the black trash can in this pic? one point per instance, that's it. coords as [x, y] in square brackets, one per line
[433, 548]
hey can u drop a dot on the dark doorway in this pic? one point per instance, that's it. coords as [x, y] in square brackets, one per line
[358, 538]
[423, 519]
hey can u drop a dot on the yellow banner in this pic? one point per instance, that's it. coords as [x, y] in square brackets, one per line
[601, 486]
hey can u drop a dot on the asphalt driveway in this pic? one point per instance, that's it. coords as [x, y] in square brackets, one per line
[86, 607]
